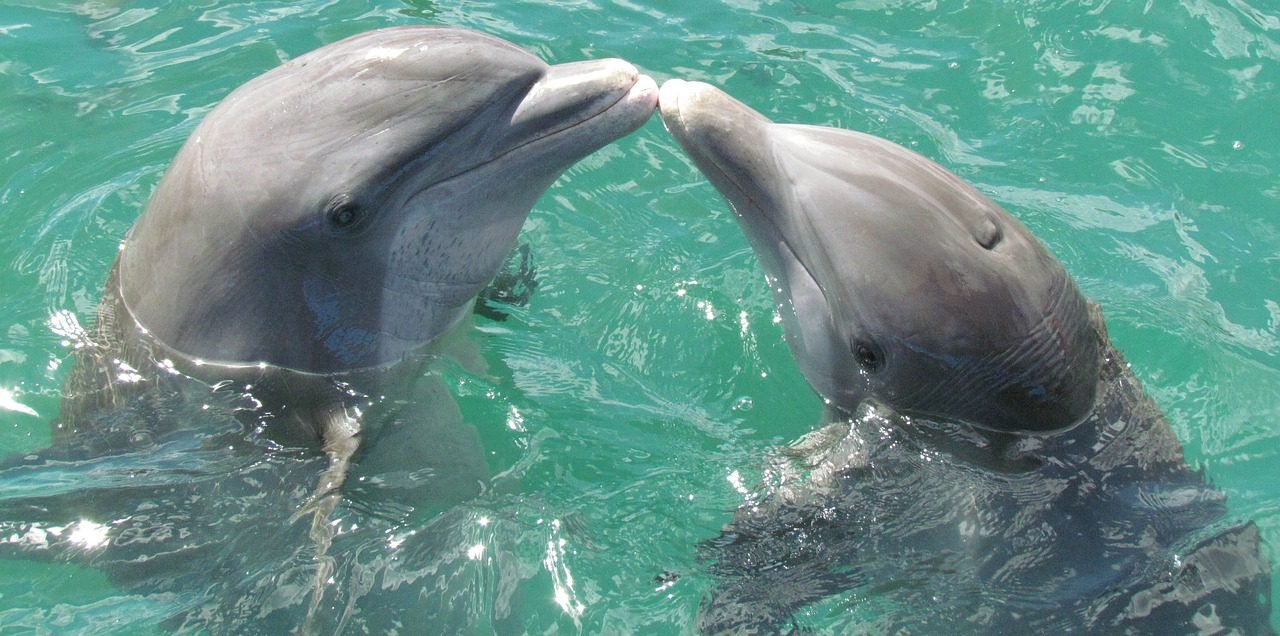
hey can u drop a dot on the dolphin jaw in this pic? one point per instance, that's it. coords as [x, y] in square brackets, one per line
[608, 99]
[612, 109]
[690, 113]
[588, 87]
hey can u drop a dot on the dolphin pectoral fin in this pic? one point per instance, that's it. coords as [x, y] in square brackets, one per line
[421, 455]
[459, 345]
[341, 427]
[1222, 584]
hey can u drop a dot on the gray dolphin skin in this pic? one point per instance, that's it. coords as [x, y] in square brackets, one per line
[315, 243]
[992, 465]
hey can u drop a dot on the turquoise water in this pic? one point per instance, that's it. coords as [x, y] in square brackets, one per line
[635, 396]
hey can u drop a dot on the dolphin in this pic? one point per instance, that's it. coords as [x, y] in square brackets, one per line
[342, 212]
[991, 464]
[319, 238]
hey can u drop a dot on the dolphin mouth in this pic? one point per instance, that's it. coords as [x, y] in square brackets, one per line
[702, 138]
[569, 112]
[611, 97]
[572, 94]
[573, 110]
[603, 100]
[706, 122]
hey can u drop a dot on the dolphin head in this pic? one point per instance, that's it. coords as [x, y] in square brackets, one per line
[897, 282]
[345, 208]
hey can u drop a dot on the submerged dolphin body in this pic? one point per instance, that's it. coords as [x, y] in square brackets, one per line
[994, 466]
[312, 246]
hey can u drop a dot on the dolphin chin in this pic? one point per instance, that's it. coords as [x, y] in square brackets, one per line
[985, 435]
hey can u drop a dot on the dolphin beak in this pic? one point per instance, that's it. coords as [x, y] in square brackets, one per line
[708, 120]
[727, 140]
[577, 92]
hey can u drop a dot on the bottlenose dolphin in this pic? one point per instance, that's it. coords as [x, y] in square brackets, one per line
[993, 466]
[321, 233]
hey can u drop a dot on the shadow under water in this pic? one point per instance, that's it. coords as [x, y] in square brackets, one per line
[914, 526]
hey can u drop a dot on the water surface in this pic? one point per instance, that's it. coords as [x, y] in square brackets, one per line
[630, 403]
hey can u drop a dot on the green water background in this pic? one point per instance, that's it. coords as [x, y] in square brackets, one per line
[647, 377]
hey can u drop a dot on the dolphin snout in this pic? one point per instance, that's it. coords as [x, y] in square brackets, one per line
[691, 109]
[727, 140]
[578, 91]
[711, 125]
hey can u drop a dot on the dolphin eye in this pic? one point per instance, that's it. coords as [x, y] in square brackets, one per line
[344, 216]
[868, 356]
[342, 212]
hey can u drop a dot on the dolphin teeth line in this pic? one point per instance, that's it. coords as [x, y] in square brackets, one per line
[514, 149]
